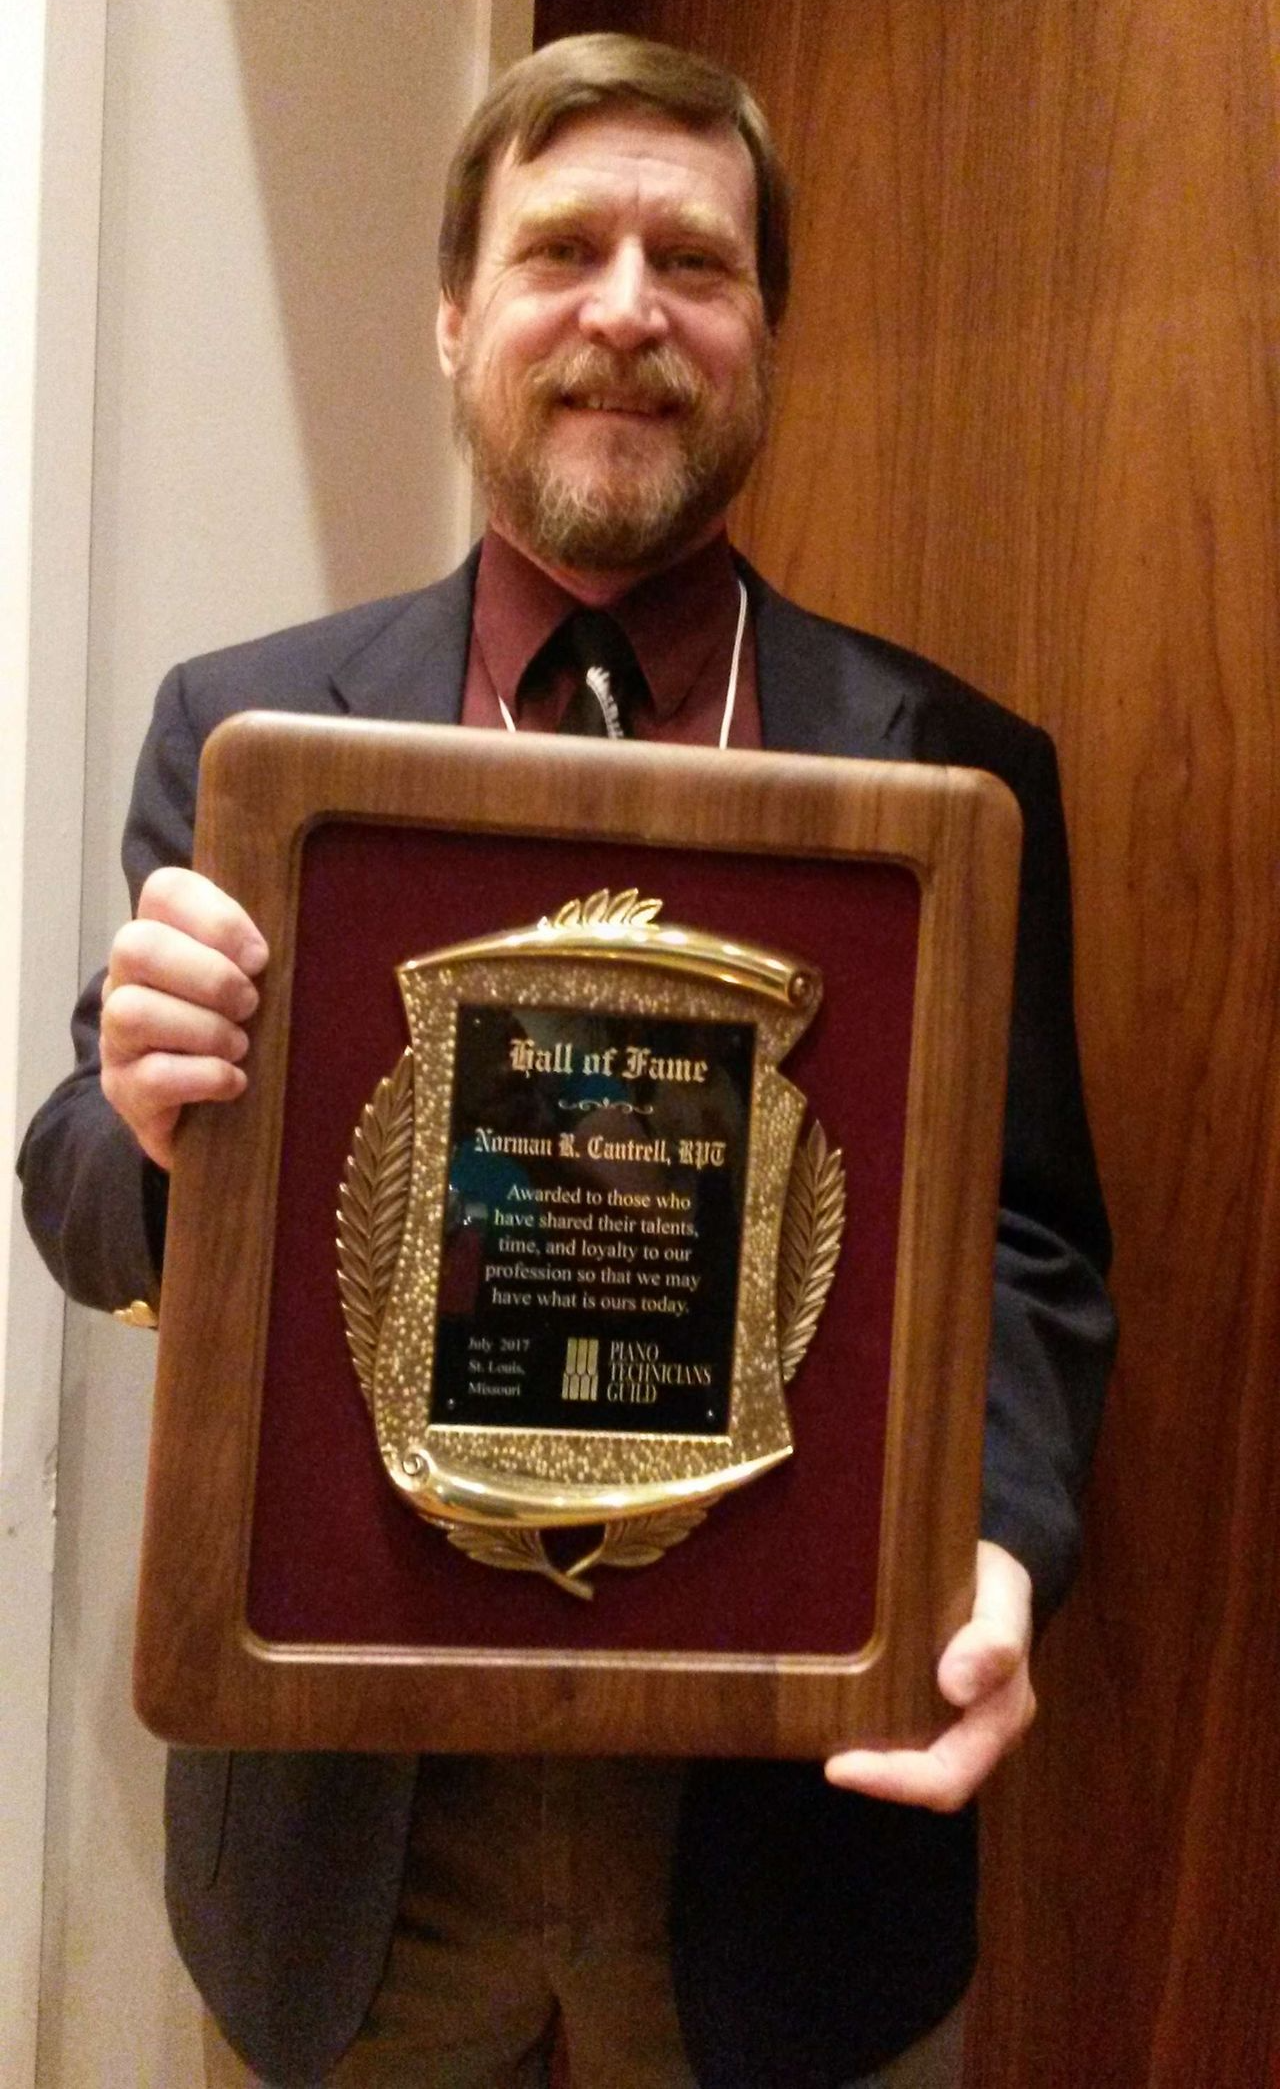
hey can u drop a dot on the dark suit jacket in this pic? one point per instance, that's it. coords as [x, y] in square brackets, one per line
[814, 1933]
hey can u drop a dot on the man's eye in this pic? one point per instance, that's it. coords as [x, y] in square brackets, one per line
[561, 252]
[690, 261]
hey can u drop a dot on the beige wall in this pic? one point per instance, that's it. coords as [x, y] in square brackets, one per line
[269, 441]
[50, 150]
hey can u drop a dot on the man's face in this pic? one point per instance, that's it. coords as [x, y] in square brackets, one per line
[610, 361]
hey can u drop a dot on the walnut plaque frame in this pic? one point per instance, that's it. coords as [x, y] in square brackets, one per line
[290, 1597]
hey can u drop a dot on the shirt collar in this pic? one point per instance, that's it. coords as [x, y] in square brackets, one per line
[676, 620]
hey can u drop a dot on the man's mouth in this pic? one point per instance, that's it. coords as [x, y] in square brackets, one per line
[618, 403]
[645, 389]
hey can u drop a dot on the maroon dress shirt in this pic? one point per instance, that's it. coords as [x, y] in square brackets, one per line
[681, 624]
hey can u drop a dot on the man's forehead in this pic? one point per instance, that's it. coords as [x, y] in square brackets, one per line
[562, 201]
[702, 180]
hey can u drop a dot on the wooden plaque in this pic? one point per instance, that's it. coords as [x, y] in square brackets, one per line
[299, 1589]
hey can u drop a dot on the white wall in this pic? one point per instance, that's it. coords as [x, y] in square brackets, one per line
[25, 1419]
[270, 441]
[51, 65]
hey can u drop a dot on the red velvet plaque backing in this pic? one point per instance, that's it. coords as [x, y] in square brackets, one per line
[786, 1565]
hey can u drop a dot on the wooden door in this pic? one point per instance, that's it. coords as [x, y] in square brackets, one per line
[1027, 422]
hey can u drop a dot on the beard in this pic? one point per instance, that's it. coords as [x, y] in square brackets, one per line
[642, 495]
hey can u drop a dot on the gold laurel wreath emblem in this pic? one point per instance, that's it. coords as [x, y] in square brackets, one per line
[372, 1202]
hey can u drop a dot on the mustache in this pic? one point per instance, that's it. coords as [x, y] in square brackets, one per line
[656, 379]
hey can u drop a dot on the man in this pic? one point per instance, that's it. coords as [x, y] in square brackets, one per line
[613, 263]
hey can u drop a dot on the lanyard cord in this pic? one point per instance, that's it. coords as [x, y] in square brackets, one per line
[731, 693]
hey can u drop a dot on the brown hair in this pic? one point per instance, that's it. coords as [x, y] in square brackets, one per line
[579, 74]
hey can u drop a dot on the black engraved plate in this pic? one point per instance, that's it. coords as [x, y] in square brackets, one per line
[593, 1221]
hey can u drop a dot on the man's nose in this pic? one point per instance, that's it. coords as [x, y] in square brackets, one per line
[623, 305]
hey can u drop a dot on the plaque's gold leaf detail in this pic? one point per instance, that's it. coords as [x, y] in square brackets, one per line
[371, 1209]
[639, 912]
[521, 1551]
[617, 910]
[812, 1229]
[635, 1541]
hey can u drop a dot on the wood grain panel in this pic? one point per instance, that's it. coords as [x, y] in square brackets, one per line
[1027, 422]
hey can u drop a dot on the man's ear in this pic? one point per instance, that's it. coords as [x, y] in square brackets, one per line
[450, 322]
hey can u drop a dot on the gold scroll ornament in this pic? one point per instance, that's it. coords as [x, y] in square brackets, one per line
[497, 1492]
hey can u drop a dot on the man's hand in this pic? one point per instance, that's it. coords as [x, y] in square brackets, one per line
[984, 1672]
[179, 986]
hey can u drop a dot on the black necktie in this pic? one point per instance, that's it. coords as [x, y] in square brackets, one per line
[611, 682]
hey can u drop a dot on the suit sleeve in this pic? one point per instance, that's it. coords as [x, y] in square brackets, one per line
[1053, 1330]
[94, 1204]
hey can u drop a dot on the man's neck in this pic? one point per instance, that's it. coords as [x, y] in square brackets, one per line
[597, 589]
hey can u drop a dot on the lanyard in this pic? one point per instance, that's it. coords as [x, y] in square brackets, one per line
[731, 693]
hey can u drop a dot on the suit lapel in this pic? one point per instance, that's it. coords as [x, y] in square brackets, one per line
[413, 668]
[821, 691]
